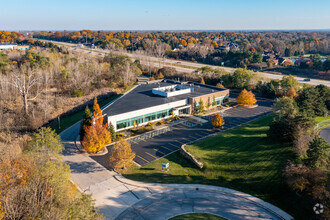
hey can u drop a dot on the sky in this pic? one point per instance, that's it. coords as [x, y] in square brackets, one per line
[164, 14]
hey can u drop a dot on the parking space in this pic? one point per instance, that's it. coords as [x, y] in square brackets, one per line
[150, 148]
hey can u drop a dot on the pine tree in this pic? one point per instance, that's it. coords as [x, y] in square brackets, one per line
[246, 98]
[217, 121]
[121, 155]
[86, 121]
[111, 129]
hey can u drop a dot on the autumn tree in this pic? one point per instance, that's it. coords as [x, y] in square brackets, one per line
[246, 98]
[202, 81]
[219, 85]
[121, 155]
[97, 134]
[86, 121]
[217, 121]
[291, 93]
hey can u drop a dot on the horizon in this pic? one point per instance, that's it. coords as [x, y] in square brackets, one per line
[150, 15]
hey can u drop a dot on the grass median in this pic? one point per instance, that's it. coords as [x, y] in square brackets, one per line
[243, 158]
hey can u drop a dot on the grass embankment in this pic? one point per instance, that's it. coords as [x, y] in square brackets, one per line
[74, 118]
[243, 158]
[322, 122]
[197, 216]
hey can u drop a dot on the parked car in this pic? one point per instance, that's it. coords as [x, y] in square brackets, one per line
[307, 79]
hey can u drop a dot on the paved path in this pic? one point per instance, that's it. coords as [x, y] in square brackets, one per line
[120, 198]
[325, 133]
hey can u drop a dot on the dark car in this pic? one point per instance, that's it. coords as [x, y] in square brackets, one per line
[307, 79]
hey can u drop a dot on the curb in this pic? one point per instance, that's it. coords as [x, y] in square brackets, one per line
[259, 202]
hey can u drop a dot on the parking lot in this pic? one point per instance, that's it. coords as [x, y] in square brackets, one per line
[151, 148]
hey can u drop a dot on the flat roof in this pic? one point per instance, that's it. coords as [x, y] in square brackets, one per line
[142, 97]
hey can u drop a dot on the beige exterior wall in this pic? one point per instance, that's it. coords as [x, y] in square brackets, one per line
[208, 98]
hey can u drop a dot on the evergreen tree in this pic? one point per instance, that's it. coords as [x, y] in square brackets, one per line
[86, 121]
[111, 128]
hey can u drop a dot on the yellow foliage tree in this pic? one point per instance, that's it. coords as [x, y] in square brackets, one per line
[97, 134]
[121, 155]
[202, 81]
[291, 93]
[219, 85]
[217, 121]
[246, 98]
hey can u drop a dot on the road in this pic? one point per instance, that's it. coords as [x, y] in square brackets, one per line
[325, 133]
[182, 66]
[120, 198]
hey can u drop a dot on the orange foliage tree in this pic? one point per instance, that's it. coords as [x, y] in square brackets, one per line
[183, 42]
[246, 98]
[121, 155]
[219, 85]
[202, 81]
[97, 134]
[217, 121]
[291, 93]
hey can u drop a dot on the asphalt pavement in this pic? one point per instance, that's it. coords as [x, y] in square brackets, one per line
[325, 133]
[159, 146]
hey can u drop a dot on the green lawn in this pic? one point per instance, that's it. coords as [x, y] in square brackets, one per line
[72, 119]
[243, 158]
[197, 216]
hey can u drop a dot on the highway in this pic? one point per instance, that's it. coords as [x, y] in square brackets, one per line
[181, 66]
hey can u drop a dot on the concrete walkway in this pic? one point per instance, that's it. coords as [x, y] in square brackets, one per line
[120, 198]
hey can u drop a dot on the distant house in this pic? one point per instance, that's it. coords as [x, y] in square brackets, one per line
[224, 48]
[301, 60]
[11, 46]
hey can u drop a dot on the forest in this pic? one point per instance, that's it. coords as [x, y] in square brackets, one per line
[37, 86]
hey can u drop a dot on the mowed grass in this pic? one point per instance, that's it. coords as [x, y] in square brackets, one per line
[74, 118]
[243, 158]
[197, 216]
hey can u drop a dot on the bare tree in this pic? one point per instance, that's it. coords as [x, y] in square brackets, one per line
[24, 82]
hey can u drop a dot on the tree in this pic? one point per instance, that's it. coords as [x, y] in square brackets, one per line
[97, 134]
[287, 52]
[45, 143]
[288, 82]
[200, 106]
[97, 113]
[219, 85]
[241, 78]
[217, 121]
[86, 121]
[24, 82]
[111, 129]
[202, 81]
[214, 103]
[291, 93]
[121, 155]
[286, 107]
[256, 58]
[318, 153]
[246, 98]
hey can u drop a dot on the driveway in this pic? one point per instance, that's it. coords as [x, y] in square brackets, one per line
[159, 146]
[325, 133]
[120, 198]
